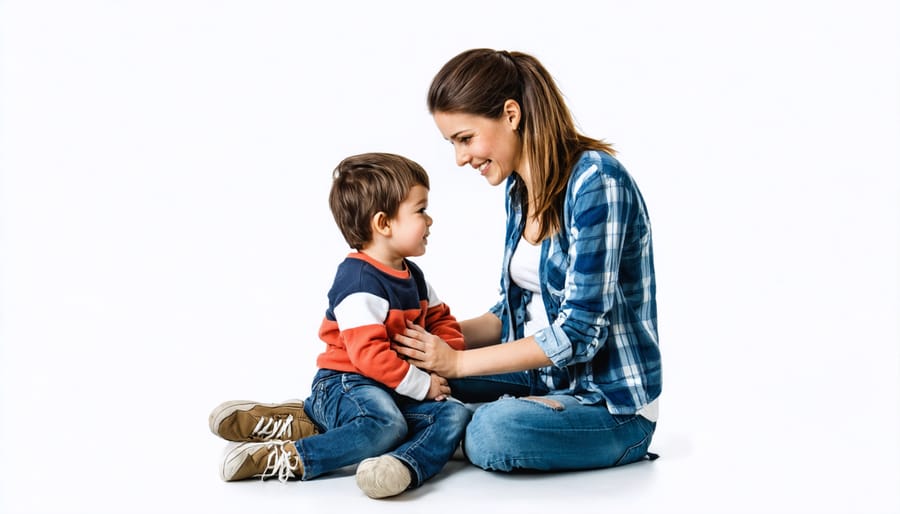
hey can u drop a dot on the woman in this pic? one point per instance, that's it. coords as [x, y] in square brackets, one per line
[578, 374]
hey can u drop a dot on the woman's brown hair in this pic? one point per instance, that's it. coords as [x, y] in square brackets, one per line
[481, 80]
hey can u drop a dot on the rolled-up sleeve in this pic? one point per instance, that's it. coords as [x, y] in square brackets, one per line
[596, 211]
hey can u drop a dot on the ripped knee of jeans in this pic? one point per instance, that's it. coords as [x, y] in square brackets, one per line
[549, 402]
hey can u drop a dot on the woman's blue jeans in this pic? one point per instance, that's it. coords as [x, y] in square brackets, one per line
[530, 428]
[360, 418]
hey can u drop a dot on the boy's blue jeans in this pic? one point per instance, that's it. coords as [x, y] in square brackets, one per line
[530, 428]
[360, 418]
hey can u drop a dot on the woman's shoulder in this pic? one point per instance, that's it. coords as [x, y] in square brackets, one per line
[595, 166]
[597, 162]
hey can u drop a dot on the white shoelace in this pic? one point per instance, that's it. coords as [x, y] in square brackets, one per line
[280, 463]
[272, 428]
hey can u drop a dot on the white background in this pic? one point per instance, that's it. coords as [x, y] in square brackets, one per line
[165, 240]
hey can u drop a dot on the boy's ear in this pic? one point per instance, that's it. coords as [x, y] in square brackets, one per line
[381, 224]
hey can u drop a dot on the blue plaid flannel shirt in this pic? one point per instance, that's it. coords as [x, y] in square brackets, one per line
[599, 290]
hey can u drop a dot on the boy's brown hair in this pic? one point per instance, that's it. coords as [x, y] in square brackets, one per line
[367, 184]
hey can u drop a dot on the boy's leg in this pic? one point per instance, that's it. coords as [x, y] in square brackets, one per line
[263, 459]
[435, 430]
[250, 421]
[358, 418]
[553, 433]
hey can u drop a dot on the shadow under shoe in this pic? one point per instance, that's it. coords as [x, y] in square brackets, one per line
[249, 421]
[269, 459]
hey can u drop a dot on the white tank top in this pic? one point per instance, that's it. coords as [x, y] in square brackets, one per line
[523, 270]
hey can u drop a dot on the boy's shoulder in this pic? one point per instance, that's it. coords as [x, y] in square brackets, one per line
[360, 270]
[353, 276]
[354, 267]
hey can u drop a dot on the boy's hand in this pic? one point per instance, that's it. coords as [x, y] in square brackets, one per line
[439, 390]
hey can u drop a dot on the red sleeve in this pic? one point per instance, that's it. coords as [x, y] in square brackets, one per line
[440, 322]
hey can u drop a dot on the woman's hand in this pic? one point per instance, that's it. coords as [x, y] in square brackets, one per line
[427, 351]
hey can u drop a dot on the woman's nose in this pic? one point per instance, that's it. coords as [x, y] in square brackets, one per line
[462, 157]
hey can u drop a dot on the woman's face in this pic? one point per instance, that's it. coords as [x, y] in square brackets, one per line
[491, 146]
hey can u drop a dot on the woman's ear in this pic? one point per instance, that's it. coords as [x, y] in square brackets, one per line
[381, 224]
[512, 113]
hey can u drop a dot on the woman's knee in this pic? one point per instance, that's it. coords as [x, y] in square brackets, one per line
[516, 433]
[491, 436]
[525, 433]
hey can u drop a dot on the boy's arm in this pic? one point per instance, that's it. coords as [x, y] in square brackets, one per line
[441, 322]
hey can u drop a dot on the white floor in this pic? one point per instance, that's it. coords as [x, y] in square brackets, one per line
[111, 458]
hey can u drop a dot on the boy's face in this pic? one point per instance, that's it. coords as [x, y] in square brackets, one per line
[409, 228]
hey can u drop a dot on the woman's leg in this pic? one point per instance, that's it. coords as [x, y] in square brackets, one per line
[553, 432]
[357, 417]
[490, 387]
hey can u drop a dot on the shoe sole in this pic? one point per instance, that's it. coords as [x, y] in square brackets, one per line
[230, 464]
[225, 409]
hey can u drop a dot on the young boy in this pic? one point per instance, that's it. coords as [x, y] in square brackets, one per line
[367, 405]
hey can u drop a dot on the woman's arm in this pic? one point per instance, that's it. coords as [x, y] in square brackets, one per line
[427, 351]
[481, 331]
[502, 358]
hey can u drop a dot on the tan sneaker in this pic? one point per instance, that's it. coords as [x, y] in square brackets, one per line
[246, 421]
[264, 460]
[380, 477]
